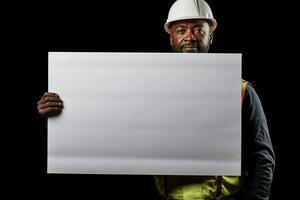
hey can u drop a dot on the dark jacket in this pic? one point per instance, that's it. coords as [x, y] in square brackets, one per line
[258, 157]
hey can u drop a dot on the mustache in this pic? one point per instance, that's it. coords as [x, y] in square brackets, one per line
[189, 44]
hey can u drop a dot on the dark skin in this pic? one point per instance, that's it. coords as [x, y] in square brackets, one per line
[49, 105]
[187, 36]
[191, 36]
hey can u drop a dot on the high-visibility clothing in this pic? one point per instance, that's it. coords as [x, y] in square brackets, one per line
[200, 187]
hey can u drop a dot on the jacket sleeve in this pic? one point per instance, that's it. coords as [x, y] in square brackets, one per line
[258, 148]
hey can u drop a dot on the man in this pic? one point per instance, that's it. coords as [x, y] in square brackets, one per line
[191, 24]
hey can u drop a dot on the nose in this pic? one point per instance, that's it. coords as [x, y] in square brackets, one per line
[190, 36]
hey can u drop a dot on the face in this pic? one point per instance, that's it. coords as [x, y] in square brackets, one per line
[190, 36]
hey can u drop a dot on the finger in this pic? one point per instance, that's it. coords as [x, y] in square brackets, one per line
[50, 111]
[50, 99]
[50, 94]
[50, 104]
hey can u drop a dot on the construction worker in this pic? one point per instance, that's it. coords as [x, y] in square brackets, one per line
[190, 25]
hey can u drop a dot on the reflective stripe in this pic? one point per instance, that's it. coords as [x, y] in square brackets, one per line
[196, 187]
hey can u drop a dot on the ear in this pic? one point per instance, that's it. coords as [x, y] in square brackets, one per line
[171, 41]
[211, 38]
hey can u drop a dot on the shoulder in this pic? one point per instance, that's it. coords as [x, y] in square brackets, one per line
[250, 93]
[251, 103]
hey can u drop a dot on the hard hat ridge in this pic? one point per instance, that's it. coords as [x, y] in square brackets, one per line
[190, 9]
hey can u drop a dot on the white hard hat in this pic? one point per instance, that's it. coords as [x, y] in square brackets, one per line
[190, 9]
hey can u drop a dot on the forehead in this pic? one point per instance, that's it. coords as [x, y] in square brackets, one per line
[189, 22]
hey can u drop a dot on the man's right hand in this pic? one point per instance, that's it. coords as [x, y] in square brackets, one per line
[49, 105]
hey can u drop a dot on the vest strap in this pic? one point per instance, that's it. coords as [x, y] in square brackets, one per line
[219, 182]
[244, 85]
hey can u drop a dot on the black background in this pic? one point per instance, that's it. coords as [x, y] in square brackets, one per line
[252, 28]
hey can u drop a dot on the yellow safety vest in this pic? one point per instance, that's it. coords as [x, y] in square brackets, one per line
[199, 187]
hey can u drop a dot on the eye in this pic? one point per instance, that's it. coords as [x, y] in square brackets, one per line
[180, 30]
[199, 30]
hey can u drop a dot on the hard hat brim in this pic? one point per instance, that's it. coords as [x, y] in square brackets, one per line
[213, 23]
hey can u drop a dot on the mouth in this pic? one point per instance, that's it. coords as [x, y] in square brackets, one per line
[189, 48]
